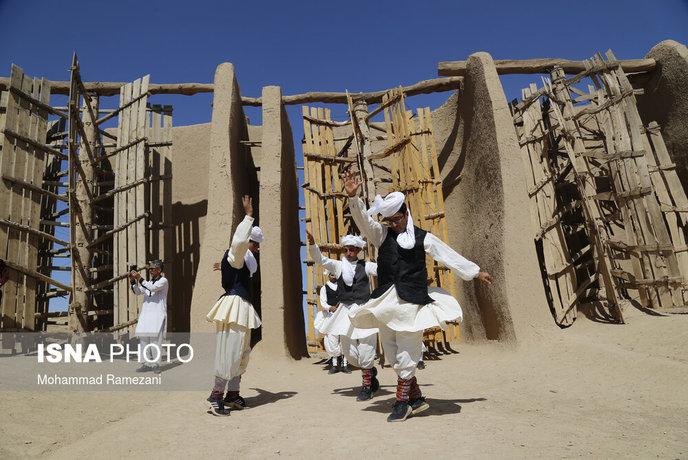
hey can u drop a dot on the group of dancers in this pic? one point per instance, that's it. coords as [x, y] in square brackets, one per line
[398, 310]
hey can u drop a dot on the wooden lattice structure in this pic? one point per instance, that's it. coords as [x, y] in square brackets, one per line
[324, 201]
[604, 194]
[24, 156]
[61, 170]
[408, 163]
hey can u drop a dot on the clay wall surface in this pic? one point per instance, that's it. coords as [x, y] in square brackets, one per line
[189, 154]
[282, 300]
[487, 208]
[231, 174]
[666, 101]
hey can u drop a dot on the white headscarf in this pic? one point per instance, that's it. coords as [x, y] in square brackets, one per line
[349, 268]
[256, 234]
[251, 262]
[353, 240]
[389, 206]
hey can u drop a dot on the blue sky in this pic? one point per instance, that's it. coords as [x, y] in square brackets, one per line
[316, 45]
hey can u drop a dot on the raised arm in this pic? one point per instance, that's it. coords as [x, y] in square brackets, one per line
[442, 253]
[371, 229]
[158, 285]
[333, 266]
[241, 237]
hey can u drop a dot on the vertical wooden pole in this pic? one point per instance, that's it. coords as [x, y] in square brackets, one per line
[82, 215]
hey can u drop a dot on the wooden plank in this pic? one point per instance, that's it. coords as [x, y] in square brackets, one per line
[541, 65]
[573, 144]
[638, 141]
[121, 209]
[41, 97]
[16, 120]
[141, 191]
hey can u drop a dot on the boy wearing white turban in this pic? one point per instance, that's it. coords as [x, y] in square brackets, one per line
[403, 305]
[353, 290]
[234, 315]
[331, 341]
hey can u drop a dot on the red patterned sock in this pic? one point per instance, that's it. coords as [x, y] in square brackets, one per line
[403, 389]
[367, 377]
[415, 392]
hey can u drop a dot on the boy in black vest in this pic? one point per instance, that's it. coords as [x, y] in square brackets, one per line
[353, 290]
[234, 315]
[328, 306]
[403, 306]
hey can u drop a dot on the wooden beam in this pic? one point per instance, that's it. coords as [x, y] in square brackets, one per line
[528, 66]
[24, 228]
[38, 276]
[188, 89]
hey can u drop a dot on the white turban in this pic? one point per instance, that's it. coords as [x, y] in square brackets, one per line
[256, 234]
[353, 240]
[387, 207]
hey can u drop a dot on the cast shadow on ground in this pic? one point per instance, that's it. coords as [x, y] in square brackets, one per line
[267, 397]
[437, 406]
[353, 391]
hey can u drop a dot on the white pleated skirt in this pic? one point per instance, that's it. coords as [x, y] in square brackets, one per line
[399, 315]
[232, 309]
[340, 324]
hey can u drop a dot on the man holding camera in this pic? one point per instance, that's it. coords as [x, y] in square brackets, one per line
[152, 322]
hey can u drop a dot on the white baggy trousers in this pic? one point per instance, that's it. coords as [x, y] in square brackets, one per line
[232, 350]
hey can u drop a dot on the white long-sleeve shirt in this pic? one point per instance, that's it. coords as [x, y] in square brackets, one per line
[434, 247]
[240, 242]
[335, 266]
[154, 309]
[324, 306]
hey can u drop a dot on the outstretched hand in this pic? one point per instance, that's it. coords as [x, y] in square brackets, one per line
[247, 202]
[485, 278]
[310, 238]
[352, 182]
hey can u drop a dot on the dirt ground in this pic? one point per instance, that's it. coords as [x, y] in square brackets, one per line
[594, 390]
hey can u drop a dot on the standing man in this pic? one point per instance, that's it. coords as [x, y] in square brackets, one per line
[353, 290]
[328, 305]
[152, 322]
[234, 315]
[403, 306]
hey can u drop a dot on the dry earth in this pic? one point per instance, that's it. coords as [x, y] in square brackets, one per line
[594, 390]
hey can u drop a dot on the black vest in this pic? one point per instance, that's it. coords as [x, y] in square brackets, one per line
[403, 268]
[332, 296]
[359, 291]
[235, 281]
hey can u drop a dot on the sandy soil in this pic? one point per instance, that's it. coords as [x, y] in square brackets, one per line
[594, 390]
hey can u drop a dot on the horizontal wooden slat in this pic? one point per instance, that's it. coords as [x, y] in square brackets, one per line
[541, 65]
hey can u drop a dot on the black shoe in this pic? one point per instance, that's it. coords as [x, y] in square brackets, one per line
[156, 370]
[400, 412]
[143, 368]
[237, 403]
[365, 394]
[374, 371]
[333, 370]
[420, 365]
[217, 407]
[346, 369]
[418, 405]
[374, 384]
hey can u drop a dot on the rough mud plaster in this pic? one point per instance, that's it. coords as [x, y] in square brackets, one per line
[487, 208]
[666, 101]
[231, 174]
[281, 268]
[189, 155]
